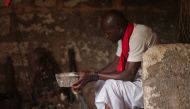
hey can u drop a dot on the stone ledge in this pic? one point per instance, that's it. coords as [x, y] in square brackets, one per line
[166, 74]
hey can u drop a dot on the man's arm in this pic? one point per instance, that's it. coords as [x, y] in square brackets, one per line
[128, 75]
[88, 76]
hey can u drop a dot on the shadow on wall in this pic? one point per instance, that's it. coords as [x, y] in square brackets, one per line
[46, 92]
[9, 96]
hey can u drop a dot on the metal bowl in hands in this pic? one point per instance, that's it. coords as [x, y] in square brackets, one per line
[66, 79]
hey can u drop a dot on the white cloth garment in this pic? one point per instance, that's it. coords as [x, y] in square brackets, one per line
[118, 94]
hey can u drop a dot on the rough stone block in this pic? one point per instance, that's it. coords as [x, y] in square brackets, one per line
[45, 3]
[4, 25]
[166, 72]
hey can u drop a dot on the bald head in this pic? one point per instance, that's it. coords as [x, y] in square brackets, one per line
[113, 18]
[113, 24]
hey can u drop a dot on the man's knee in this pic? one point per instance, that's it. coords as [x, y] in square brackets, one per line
[111, 84]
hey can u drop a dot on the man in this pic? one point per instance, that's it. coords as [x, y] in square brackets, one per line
[119, 84]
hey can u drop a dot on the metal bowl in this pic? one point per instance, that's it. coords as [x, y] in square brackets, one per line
[66, 79]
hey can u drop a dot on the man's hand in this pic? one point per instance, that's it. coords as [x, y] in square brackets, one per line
[84, 78]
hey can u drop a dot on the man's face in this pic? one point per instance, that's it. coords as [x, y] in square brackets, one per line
[112, 33]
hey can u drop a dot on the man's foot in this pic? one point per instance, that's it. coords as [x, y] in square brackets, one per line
[106, 106]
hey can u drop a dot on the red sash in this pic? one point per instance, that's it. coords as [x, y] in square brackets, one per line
[125, 48]
[7, 2]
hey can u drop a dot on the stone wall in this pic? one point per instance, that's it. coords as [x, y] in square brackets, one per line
[166, 77]
[62, 24]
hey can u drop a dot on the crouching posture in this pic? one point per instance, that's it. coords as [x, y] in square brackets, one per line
[119, 84]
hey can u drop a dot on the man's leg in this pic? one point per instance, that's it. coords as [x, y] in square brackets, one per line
[119, 95]
[110, 94]
[107, 107]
